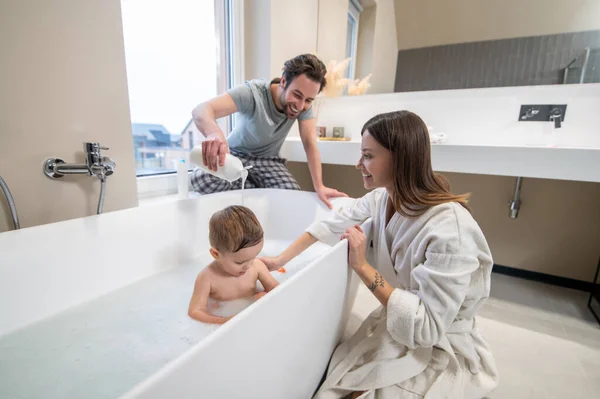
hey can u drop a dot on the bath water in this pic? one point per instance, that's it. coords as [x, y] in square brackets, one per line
[102, 348]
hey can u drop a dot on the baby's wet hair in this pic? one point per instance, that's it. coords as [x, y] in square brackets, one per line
[234, 228]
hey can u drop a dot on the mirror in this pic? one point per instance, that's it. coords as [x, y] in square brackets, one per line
[418, 45]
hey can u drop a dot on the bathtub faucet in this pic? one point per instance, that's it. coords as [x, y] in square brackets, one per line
[95, 165]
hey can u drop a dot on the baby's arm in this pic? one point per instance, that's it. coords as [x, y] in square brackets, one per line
[264, 276]
[198, 309]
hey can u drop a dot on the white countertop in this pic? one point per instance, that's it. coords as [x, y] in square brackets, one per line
[561, 163]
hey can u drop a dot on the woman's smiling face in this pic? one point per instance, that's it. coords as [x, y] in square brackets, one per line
[375, 163]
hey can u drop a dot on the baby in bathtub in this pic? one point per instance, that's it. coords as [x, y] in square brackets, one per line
[236, 239]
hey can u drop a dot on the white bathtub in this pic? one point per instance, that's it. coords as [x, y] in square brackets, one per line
[97, 307]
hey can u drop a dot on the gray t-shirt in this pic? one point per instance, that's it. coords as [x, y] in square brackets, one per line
[260, 128]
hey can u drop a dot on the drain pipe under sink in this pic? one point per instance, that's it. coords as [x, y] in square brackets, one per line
[515, 203]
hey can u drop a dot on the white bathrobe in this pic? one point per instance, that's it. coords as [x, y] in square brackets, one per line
[426, 343]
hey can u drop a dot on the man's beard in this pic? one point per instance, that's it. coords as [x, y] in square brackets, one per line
[287, 108]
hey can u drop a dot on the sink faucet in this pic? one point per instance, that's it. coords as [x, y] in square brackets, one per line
[95, 165]
[556, 117]
[543, 113]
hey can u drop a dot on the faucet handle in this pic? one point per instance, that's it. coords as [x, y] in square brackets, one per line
[93, 147]
[556, 117]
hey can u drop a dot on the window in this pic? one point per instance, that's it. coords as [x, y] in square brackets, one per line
[354, 10]
[172, 66]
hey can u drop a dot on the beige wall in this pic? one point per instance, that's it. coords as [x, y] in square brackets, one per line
[332, 29]
[63, 82]
[366, 37]
[257, 36]
[275, 31]
[293, 31]
[423, 23]
[558, 228]
[376, 42]
[279, 30]
[557, 231]
[385, 48]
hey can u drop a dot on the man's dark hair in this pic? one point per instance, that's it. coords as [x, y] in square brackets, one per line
[305, 64]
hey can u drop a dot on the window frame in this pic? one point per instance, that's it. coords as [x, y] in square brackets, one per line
[229, 30]
[354, 10]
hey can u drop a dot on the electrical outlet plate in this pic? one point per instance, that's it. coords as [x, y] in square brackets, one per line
[541, 112]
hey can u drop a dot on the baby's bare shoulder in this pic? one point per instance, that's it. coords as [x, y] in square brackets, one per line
[259, 265]
[207, 274]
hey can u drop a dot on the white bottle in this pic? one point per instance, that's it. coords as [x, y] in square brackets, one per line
[182, 179]
[232, 170]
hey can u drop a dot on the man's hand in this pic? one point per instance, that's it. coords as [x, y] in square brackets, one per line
[214, 150]
[325, 193]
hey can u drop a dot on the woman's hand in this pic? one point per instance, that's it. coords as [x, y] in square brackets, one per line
[357, 247]
[272, 262]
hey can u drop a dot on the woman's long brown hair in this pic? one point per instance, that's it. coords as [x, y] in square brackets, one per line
[416, 186]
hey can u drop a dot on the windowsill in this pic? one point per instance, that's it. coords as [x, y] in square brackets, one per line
[160, 188]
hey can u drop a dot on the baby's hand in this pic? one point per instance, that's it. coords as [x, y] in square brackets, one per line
[259, 295]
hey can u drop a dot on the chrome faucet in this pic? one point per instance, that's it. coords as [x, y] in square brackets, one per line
[95, 165]
[99, 166]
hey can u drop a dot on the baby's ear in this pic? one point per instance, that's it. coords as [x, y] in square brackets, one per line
[214, 252]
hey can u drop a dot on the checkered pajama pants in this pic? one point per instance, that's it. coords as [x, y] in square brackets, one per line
[269, 172]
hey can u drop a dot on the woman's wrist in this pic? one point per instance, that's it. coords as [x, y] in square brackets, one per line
[361, 268]
[282, 259]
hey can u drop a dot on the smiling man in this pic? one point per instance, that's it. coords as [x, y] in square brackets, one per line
[267, 112]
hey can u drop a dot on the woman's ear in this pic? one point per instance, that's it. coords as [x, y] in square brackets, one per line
[214, 252]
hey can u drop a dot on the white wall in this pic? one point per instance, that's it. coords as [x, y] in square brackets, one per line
[63, 82]
[423, 23]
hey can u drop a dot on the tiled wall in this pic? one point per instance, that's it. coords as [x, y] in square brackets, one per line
[523, 61]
